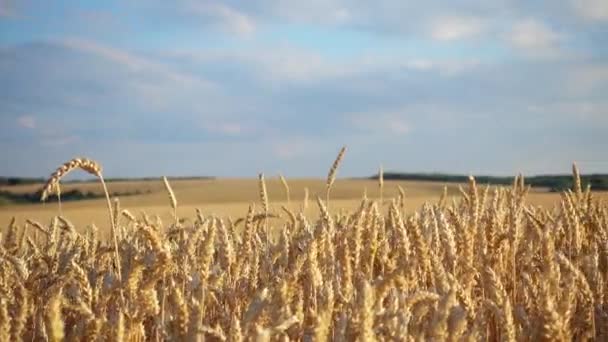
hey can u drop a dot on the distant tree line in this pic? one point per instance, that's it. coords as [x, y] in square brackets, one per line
[552, 182]
[10, 181]
[7, 197]
[4, 181]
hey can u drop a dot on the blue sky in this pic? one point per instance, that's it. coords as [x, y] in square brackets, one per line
[233, 88]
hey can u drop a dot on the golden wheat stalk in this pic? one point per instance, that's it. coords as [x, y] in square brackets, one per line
[263, 192]
[94, 168]
[286, 187]
[305, 200]
[381, 184]
[578, 187]
[172, 199]
[331, 176]
[444, 196]
[265, 206]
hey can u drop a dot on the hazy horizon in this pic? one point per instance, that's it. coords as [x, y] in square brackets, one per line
[234, 88]
[82, 176]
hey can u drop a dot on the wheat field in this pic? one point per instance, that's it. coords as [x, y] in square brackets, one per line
[475, 263]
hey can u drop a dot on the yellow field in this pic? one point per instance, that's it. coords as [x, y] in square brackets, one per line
[229, 198]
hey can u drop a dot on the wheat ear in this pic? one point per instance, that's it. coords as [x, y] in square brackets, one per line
[171, 198]
[381, 184]
[264, 200]
[305, 200]
[331, 176]
[286, 186]
[94, 168]
[576, 175]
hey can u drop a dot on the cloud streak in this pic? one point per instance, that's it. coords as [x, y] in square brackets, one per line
[595, 10]
[26, 121]
[449, 28]
[534, 38]
[224, 16]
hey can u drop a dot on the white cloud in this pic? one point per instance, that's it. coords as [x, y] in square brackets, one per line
[382, 122]
[26, 121]
[293, 64]
[596, 10]
[534, 38]
[227, 17]
[449, 28]
[131, 61]
[328, 12]
[342, 15]
[152, 84]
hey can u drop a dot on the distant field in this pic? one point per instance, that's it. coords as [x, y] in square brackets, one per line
[228, 197]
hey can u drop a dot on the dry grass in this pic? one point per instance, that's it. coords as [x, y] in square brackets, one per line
[481, 265]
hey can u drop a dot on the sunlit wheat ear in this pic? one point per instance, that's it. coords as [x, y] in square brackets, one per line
[263, 192]
[286, 187]
[522, 182]
[52, 184]
[381, 183]
[578, 187]
[264, 200]
[305, 200]
[94, 168]
[5, 320]
[444, 196]
[516, 182]
[53, 318]
[171, 198]
[401, 199]
[331, 176]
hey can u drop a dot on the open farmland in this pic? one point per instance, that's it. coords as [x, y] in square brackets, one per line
[228, 197]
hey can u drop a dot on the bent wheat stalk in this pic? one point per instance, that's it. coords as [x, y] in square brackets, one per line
[94, 168]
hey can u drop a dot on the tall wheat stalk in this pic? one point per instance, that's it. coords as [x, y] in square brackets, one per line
[286, 187]
[172, 199]
[331, 176]
[305, 200]
[381, 184]
[265, 205]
